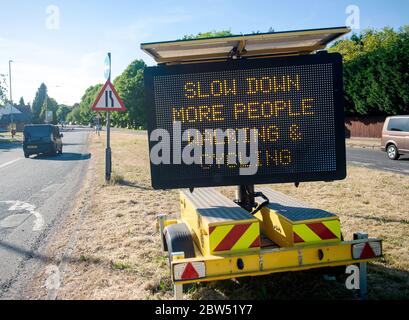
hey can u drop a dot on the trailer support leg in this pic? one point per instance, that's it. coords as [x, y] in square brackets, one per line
[161, 222]
[178, 288]
[363, 270]
[178, 291]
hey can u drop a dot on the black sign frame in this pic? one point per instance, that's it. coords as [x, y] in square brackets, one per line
[160, 182]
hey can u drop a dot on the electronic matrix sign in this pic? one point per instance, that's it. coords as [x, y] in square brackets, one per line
[294, 103]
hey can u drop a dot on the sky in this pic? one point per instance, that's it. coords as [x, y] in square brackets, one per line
[63, 43]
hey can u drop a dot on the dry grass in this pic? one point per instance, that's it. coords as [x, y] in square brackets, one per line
[5, 137]
[118, 255]
[372, 143]
[118, 249]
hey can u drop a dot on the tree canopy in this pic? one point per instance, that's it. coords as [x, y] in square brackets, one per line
[209, 34]
[38, 103]
[49, 104]
[42, 103]
[376, 71]
[62, 112]
[130, 87]
[376, 75]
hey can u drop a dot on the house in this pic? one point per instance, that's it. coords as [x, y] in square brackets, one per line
[20, 118]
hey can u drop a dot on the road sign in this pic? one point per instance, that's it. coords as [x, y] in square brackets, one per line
[294, 103]
[108, 99]
[107, 67]
[49, 116]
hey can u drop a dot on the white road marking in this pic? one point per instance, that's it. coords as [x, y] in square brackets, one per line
[20, 205]
[53, 281]
[14, 220]
[52, 187]
[9, 163]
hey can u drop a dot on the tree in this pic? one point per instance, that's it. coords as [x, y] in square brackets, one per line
[376, 77]
[21, 102]
[62, 112]
[74, 116]
[38, 103]
[209, 34]
[86, 114]
[49, 104]
[82, 113]
[130, 87]
[25, 109]
[3, 89]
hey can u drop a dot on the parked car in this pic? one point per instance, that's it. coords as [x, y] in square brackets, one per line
[42, 139]
[395, 136]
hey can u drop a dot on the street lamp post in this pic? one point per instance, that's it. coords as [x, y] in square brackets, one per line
[11, 103]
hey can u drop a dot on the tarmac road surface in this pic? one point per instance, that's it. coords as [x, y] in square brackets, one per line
[376, 159]
[35, 196]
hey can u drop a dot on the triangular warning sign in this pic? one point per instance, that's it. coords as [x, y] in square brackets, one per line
[108, 99]
[367, 252]
[190, 272]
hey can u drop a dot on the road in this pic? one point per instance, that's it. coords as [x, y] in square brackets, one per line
[35, 195]
[377, 159]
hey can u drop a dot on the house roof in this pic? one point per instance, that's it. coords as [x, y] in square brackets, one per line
[7, 109]
[18, 116]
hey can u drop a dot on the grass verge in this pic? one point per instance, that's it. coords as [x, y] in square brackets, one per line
[5, 137]
[118, 255]
[371, 143]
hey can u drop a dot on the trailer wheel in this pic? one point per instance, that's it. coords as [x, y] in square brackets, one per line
[179, 239]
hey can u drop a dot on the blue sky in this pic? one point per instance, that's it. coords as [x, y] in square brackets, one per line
[70, 58]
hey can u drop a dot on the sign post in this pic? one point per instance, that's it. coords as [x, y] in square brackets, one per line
[108, 100]
[108, 158]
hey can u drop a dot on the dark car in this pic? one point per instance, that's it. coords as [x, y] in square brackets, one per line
[42, 139]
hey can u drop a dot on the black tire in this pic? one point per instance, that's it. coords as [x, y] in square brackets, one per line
[392, 152]
[179, 239]
[54, 151]
[26, 155]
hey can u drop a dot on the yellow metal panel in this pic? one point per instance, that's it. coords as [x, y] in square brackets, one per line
[195, 224]
[247, 239]
[275, 227]
[236, 241]
[201, 211]
[268, 261]
[334, 226]
[278, 227]
[306, 233]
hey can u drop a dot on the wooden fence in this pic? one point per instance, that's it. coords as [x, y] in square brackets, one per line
[364, 127]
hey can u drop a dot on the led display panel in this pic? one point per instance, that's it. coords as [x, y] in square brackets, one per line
[207, 121]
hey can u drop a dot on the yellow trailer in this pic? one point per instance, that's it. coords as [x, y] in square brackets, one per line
[249, 83]
[216, 239]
